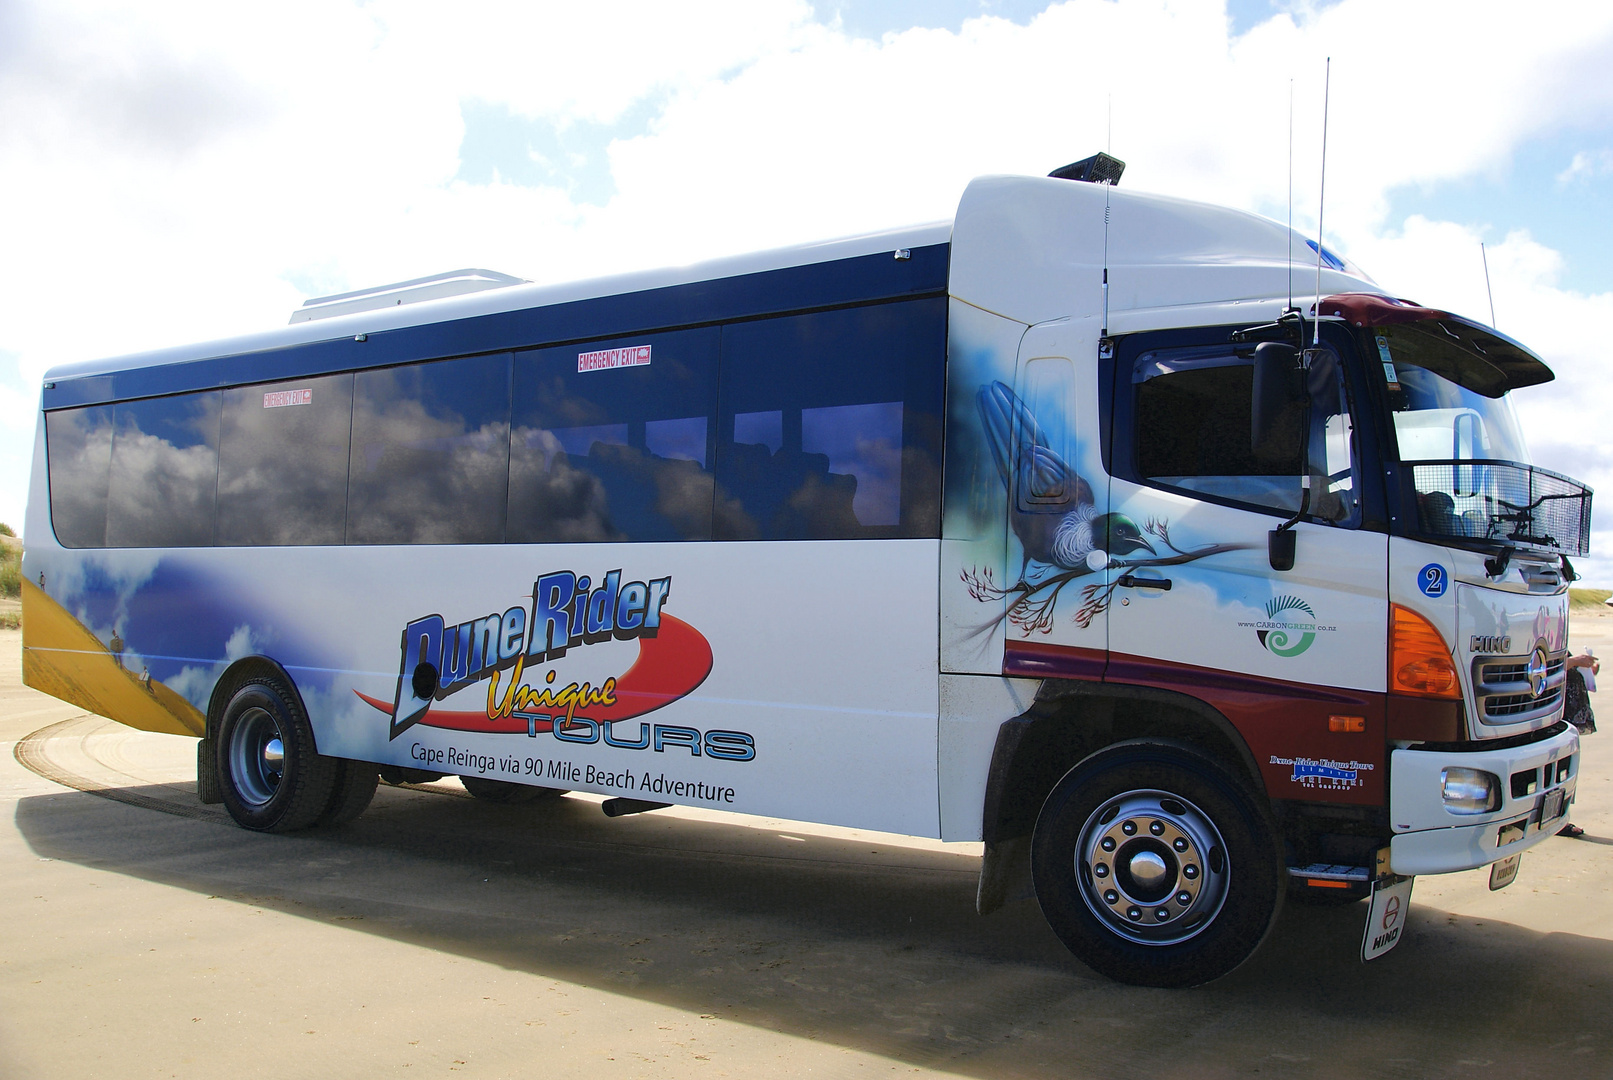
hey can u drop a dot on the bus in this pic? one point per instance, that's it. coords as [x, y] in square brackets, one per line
[1059, 526]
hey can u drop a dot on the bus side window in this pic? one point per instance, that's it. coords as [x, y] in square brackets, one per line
[283, 454]
[830, 425]
[163, 485]
[430, 456]
[610, 441]
[78, 445]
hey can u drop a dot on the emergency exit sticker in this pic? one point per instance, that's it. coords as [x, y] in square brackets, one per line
[279, 399]
[605, 359]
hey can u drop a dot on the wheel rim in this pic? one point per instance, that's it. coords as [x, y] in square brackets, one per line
[1152, 867]
[257, 757]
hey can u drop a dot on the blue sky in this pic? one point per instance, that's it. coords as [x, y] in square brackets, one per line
[182, 171]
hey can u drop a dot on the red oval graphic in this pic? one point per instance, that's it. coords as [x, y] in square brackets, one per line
[669, 666]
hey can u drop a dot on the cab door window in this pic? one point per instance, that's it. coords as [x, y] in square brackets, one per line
[1191, 429]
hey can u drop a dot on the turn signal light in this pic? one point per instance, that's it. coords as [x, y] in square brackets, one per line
[1419, 660]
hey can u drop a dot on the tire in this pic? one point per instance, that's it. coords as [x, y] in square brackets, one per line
[351, 794]
[1155, 867]
[506, 793]
[271, 777]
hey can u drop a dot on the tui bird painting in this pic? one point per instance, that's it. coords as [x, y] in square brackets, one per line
[1059, 532]
[1054, 515]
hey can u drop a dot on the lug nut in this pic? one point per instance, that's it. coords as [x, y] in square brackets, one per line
[1184, 897]
[1129, 828]
[1111, 897]
[1162, 914]
[1156, 827]
[1108, 843]
[1134, 913]
[1102, 870]
[1180, 843]
[1190, 871]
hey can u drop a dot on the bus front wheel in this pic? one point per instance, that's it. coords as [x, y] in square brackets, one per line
[270, 775]
[1155, 866]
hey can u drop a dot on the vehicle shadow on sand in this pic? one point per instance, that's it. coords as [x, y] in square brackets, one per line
[875, 949]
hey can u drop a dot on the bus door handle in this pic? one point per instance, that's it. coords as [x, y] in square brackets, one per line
[1130, 582]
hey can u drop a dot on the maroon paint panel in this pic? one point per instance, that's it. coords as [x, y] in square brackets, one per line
[1286, 727]
[1285, 724]
[1040, 660]
[1417, 719]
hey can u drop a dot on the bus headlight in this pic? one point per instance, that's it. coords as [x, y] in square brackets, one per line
[1469, 791]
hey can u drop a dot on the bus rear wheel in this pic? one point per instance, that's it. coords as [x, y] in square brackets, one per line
[352, 792]
[1156, 867]
[506, 793]
[271, 777]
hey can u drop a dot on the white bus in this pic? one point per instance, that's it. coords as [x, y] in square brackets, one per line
[1056, 526]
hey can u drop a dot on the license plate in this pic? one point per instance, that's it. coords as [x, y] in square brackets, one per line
[1505, 872]
[1386, 917]
[1551, 806]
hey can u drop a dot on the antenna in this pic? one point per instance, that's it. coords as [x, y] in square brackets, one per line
[1109, 141]
[1321, 204]
[1487, 290]
[1291, 197]
[1108, 188]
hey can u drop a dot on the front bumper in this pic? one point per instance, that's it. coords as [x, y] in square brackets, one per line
[1430, 839]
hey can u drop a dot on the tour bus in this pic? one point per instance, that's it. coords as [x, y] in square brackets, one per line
[1061, 526]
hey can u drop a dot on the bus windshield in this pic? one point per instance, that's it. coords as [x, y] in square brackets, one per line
[1470, 471]
[1443, 401]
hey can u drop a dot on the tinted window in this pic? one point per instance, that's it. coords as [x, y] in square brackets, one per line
[830, 424]
[283, 453]
[78, 445]
[164, 478]
[612, 441]
[1193, 433]
[430, 453]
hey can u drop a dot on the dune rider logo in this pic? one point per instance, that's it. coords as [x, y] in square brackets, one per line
[1284, 634]
[568, 611]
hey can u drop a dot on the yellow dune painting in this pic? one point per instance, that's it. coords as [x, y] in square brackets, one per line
[62, 658]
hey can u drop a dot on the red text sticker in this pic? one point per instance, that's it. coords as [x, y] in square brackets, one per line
[279, 399]
[633, 356]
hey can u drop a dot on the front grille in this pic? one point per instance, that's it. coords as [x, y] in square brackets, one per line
[1503, 694]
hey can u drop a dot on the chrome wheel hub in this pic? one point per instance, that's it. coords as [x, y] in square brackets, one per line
[1152, 867]
[257, 757]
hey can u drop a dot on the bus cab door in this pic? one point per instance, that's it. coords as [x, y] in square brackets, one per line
[1292, 657]
[1057, 495]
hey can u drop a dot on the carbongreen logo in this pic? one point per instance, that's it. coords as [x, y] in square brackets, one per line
[1285, 636]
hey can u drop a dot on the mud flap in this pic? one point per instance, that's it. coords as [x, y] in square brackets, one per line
[1386, 915]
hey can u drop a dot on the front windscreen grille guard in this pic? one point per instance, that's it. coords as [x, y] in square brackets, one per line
[1502, 503]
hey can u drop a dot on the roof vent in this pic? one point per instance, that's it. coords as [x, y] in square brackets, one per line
[1097, 169]
[434, 287]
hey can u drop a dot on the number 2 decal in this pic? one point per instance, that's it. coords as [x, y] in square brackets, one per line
[1431, 580]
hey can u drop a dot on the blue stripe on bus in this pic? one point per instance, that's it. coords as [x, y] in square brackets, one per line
[864, 279]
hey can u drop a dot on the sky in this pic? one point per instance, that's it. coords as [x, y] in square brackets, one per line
[174, 172]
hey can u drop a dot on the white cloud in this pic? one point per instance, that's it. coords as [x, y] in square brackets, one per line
[1586, 165]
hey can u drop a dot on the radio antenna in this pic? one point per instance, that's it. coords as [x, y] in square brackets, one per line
[1321, 204]
[1487, 290]
[1108, 187]
[1291, 198]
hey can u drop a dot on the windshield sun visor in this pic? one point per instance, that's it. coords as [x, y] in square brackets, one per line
[1502, 364]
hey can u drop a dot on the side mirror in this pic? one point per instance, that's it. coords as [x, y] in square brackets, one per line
[1277, 407]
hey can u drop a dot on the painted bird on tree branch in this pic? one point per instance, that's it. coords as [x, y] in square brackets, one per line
[1051, 509]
